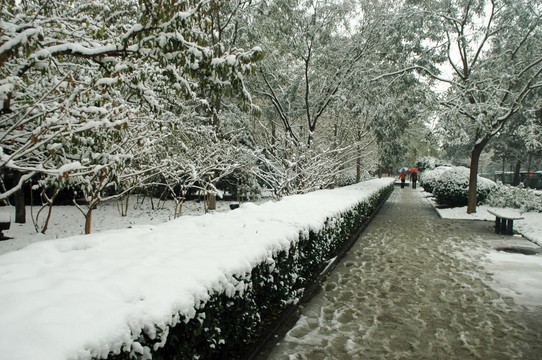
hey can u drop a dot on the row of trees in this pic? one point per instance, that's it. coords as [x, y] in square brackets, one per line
[386, 65]
[494, 49]
[95, 94]
[105, 97]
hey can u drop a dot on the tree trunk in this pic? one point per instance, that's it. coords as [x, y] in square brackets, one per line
[18, 199]
[358, 158]
[211, 202]
[473, 177]
[503, 169]
[48, 218]
[358, 170]
[516, 180]
[88, 220]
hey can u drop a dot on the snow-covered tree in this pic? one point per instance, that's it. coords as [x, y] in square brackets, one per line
[531, 132]
[320, 57]
[82, 83]
[290, 168]
[193, 158]
[493, 51]
[312, 51]
[71, 68]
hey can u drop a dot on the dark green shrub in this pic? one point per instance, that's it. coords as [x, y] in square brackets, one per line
[428, 178]
[226, 325]
[452, 186]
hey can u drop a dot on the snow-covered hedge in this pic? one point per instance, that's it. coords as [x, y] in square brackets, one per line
[195, 287]
[515, 197]
[429, 177]
[452, 186]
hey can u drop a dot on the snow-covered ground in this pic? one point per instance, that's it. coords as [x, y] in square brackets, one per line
[68, 221]
[45, 286]
[418, 287]
[516, 275]
[530, 227]
[84, 296]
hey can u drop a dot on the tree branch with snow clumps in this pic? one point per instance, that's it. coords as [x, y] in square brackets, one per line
[74, 73]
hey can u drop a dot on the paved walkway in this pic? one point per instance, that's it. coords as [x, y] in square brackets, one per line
[413, 287]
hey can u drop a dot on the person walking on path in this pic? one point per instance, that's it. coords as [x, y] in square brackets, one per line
[402, 176]
[413, 287]
[414, 179]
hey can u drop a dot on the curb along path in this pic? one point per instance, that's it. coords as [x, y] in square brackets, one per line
[413, 287]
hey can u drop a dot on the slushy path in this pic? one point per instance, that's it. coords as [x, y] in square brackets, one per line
[413, 287]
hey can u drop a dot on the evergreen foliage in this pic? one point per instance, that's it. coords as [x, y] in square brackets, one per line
[452, 186]
[516, 197]
[227, 324]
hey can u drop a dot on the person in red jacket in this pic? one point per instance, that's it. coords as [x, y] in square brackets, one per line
[402, 176]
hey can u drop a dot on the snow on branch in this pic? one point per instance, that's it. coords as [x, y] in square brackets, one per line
[419, 68]
[92, 85]
[19, 39]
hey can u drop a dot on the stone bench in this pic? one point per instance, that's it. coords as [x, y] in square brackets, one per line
[504, 220]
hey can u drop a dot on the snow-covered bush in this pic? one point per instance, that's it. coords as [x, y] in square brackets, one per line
[452, 187]
[348, 177]
[229, 322]
[426, 163]
[289, 168]
[515, 197]
[429, 177]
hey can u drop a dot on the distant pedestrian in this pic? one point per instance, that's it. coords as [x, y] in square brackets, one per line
[402, 176]
[414, 178]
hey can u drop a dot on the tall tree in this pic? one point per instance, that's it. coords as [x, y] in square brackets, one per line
[316, 76]
[311, 53]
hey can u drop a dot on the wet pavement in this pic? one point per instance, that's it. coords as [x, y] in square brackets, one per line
[414, 286]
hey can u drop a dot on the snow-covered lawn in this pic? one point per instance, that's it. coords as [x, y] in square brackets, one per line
[68, 221]
[530, 227]
[87, 295]
[516, 275]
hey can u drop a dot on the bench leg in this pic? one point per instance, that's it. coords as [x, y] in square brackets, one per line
[504, 223]
[497, 225]
[510, 227]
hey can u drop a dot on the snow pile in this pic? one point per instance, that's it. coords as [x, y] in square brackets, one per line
[530, 226]
[87, 296]
[516, 275]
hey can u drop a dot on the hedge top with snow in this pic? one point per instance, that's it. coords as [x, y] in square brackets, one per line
[87, 296]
